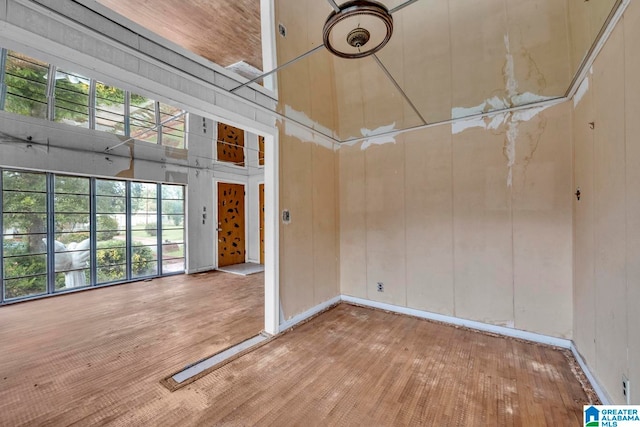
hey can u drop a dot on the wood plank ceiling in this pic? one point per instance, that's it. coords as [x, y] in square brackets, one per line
[223, 31]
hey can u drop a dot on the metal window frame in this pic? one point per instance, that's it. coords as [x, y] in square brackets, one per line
[160, 228]
[51, 234]
[1, 234]
[50, 274]
[93, 234]
[92, 104]
[159, 125]
[51, 93]
[3, 85]
[129, 233]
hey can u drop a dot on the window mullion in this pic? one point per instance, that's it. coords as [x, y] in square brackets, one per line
[93, 239]
[128, 251]
[1, 242]
[51, 93]
[159, 228]
[51, 235]
[158, 122]
[3, 84]
[92, 104]
[127, 113]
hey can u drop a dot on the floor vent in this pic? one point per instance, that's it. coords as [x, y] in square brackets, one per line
[197, 370]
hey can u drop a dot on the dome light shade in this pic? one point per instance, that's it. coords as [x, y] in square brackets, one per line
[360, 28]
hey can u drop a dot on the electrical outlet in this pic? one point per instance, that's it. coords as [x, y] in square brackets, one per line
[626, 392]
[286, 216]
[380, 287]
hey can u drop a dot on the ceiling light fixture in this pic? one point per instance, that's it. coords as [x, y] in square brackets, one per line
[359, 28]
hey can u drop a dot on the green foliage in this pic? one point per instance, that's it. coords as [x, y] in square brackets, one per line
[110, 226]
[26, 81]
[30, 266]
[151, 229]
[67, 238]
[111, 259]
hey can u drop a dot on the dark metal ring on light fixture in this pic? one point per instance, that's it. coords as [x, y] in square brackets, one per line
[356, 43]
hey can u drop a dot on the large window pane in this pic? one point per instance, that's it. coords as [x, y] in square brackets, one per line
[25, 286]
[26, 81]
[142, 117]
[24, 181]
[144, 229]
[73, 228]
[110, 108]
[173, 129]
[24, 231]
[110, 188]
[144, 260]
[72, 99]
[111, 259]
[71, 185]
[172, 228]
[111, 235]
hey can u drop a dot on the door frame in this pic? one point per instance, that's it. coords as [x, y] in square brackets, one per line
[223, 180]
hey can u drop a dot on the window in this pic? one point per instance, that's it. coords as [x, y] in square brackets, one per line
[26, 85]
[173, 126]
[144, 226]
[103, 231]
[24, 234]
[111, 234]
[143, 119]
[110, 110]
[73, 99]
[72, 218]
[172, 228]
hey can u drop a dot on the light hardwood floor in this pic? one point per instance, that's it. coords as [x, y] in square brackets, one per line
[91, 357]
[348, 366]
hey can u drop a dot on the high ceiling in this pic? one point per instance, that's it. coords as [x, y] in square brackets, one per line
[447, 59]
[223, 31]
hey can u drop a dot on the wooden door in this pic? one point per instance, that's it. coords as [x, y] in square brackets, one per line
[231, 239]
[261, 205]
[230, 144]
[261, 150]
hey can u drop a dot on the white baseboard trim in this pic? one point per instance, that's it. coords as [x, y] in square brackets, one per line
[500, 330]
[307, 314]
[200, 270]
[604, 397]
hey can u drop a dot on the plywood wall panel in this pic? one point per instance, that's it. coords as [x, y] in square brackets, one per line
[296, 255]
[325, 254]
[429, 220]
[482, 228]
[584, 246]
[579, 34]
[539, 47]
[353, 232]
[542, 224]
[478, 45]
[431, 92]
[610, 214]
[385, 207]
[632, 110]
